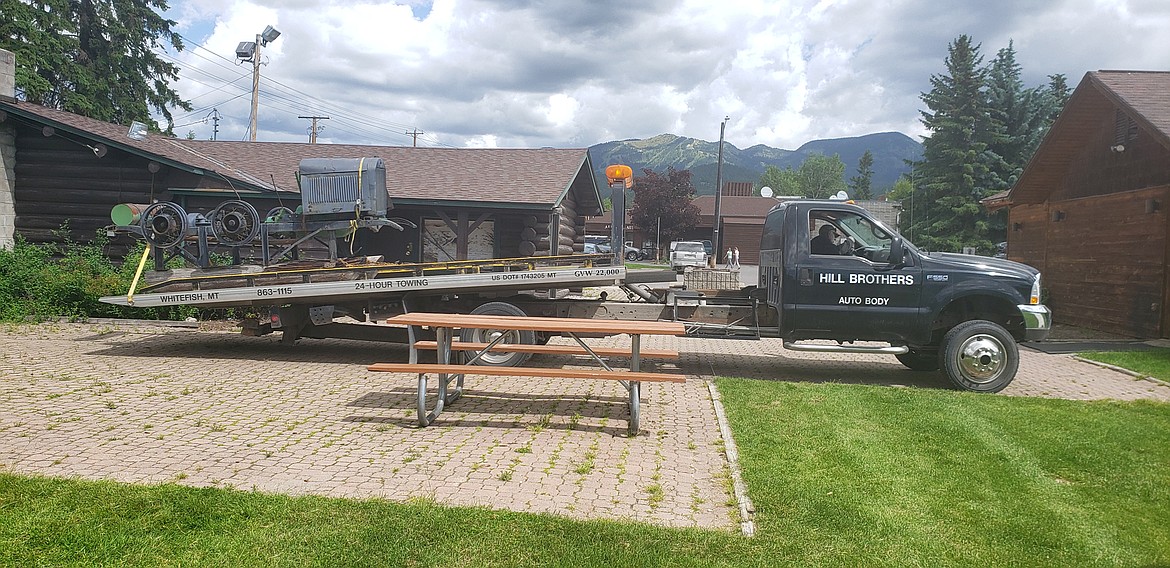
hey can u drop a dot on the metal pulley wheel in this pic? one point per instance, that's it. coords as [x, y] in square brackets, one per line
[235, 223]
[164, 224]
[280, 214]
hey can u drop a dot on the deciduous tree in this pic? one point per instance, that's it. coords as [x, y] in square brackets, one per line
[665, 201]
[822, 176]
[782, 181]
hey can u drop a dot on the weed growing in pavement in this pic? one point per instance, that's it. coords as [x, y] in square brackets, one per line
[656, 495]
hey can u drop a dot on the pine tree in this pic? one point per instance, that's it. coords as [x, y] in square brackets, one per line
[860, 186]
[93, 57]
[951, 178]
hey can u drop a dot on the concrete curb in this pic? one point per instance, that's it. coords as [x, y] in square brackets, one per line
[746, 509]
[1121, 370]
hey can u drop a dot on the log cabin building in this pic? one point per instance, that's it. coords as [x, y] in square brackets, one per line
[62, 169]
[1090, 208]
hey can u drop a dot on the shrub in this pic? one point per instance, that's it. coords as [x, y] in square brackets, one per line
[41, 282]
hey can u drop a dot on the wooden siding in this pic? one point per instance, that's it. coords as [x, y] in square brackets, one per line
[1028, 235]
[1105, 261]
[1098, 170]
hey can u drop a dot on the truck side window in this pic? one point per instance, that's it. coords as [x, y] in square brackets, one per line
[773, 236]
[869, 241]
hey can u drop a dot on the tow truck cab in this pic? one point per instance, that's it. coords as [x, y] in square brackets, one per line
[865, 283]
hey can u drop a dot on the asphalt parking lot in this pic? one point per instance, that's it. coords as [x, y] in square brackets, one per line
[151, 404]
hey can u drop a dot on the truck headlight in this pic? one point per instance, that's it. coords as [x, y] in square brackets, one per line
[1035, 298]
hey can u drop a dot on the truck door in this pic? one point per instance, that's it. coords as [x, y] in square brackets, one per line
[849, 289]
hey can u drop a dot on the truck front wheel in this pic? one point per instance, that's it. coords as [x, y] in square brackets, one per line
[979, 356]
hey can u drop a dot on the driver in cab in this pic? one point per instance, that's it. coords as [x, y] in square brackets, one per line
[829, 241]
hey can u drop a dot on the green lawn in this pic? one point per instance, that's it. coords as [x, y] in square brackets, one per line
[840, 475]
[1154, 363]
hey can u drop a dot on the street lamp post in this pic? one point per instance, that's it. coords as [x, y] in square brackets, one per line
[250, 52]
[716, 245]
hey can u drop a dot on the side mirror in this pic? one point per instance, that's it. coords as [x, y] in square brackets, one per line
[897, 253]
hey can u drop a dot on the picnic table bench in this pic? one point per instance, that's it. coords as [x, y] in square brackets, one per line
[447, 370]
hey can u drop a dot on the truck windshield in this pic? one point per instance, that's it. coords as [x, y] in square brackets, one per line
[690, 247]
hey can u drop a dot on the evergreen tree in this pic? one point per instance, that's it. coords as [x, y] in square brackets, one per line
[1054, 96]
[957, 162]
[860, 186]
[93, 57]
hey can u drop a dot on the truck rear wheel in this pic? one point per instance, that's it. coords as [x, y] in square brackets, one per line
[493, 359]
[979, 356]
[917, 360]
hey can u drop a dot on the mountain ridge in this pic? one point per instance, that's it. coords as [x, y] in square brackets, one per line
[890, 151]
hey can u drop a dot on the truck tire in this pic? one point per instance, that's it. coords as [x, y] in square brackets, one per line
[917, 360]
[487, 335]
[979, 356]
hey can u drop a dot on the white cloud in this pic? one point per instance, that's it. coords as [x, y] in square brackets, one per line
[523, 73]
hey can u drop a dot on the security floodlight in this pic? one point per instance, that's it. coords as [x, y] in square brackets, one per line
[270, 33]
[245, 50]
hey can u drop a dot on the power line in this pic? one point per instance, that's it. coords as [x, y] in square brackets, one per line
[351, 121]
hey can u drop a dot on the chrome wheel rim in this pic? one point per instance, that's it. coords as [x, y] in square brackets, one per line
[982, 359]
[490, 335]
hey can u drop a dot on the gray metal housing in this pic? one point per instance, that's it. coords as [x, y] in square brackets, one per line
[354, 186]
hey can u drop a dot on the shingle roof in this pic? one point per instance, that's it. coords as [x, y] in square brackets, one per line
[520, 176]
[163, 149]
[1145, 93]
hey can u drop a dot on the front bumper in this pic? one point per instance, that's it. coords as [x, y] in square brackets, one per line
[1037, 321]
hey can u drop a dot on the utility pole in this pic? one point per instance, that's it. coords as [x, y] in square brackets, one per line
[255, 90]
[313, 130]
[250, 52]
[414, 134]
[717, 246]
[215, 121]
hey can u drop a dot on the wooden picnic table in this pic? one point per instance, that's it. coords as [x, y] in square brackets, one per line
[447, 370]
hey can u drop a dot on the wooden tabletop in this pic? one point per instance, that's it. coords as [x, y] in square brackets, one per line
[577, 325]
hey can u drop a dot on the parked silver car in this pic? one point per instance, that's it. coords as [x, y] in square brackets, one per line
[687, 253]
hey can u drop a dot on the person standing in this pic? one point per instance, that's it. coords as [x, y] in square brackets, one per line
[735, 258]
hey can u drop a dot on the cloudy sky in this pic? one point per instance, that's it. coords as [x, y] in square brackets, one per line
[561, 73]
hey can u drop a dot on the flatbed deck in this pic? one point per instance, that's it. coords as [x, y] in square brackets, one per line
[303, 282]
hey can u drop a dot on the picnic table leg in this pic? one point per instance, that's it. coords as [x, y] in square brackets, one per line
[444, 358]
[443, 335]
[635, 387]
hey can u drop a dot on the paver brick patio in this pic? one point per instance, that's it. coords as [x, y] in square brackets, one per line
[149, 404]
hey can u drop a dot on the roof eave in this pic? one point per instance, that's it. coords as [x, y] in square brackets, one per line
[15, 109]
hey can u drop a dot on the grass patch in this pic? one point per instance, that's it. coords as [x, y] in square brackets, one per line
[1154, 363]
[52, 522]
[840, 475]
[856, 475]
